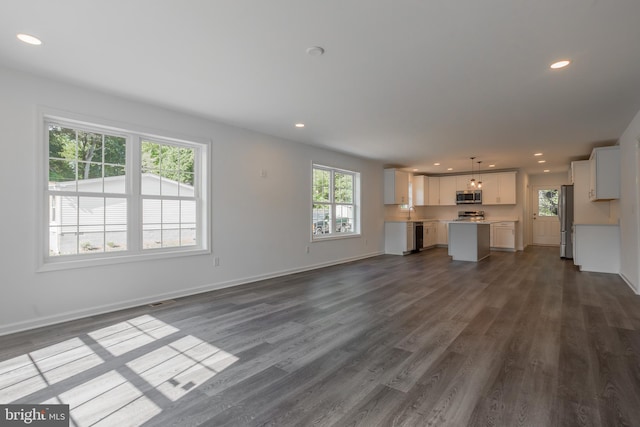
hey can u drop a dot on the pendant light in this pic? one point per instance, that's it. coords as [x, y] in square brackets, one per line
[472, 183]
[479, 176]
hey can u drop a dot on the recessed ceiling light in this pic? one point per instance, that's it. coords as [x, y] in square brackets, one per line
[542, 161]
[29, 39]
[538, 154]
[315, 51]
[560, 64]
[299, 125]
[547, 170]
[436, 164]
[449, 169]
[492, 166]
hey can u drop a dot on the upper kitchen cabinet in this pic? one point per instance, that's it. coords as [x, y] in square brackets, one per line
[434, 190]
[420, 185]
[605, 173]
[396, 187]
[585, 211]
[463, 182]
[499, 188]
[447, 191]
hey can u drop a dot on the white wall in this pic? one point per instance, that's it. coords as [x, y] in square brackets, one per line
[552, 179]
[261, 226]
[629, 207]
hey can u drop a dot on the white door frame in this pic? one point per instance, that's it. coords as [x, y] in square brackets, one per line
[533, 197]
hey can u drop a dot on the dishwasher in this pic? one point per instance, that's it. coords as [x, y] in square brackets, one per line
[418, 233]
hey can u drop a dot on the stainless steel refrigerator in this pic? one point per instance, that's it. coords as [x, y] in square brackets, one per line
[565, 215]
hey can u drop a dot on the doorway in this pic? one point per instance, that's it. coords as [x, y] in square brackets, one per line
[546, 225]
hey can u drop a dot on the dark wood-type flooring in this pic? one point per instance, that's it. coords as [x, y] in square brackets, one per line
[519, 339]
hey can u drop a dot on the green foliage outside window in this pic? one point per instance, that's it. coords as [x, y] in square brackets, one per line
[72, 150]
[94, 155]
[168, 161]
[548, 202]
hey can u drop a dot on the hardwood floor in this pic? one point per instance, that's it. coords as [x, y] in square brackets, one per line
[519, 339]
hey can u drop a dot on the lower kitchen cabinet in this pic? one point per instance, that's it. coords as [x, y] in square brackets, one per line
[442, 234]
[398, 238]
[503, 235]
[596, 247]
[430, 234]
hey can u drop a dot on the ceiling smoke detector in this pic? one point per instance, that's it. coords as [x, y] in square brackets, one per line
[315, 51]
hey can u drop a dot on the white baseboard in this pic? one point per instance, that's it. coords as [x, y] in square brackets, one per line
[108, 308]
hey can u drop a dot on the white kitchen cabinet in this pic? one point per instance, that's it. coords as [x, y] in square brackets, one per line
[434, 190]
[597, 247]
[447, 191]
[396, 187]
[503, 235]
[463, 182]
[442, 233]
[490, 192]
[430, 234]
[604, 180]
[420, 185]
[398, 237]
[585, 211]
[499, 188]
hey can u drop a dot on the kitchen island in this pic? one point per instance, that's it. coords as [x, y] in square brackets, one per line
[469, 240]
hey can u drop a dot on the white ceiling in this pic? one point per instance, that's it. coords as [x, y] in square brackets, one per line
[408, 82]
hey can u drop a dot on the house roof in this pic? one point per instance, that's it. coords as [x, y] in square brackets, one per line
[117, 180]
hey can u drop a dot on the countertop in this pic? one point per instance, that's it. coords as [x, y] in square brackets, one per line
[486, 221]
[412, 220]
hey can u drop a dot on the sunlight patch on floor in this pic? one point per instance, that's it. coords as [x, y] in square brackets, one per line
[179, 367]
[121, 395]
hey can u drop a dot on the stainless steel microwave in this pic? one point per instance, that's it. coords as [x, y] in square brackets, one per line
[467, 197]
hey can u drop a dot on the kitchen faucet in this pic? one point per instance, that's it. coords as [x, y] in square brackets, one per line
[410, 207]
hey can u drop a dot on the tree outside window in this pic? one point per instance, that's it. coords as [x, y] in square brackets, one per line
[548, 202]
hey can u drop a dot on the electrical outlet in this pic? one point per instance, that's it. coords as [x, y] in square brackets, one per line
[308, 249]
[216, 261]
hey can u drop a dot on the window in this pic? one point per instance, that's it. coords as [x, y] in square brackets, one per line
[168, 198]
[548, 202]
[334, 202]
[409, 205]
[112, 192]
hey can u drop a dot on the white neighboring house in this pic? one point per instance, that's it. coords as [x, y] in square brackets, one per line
[100, 222]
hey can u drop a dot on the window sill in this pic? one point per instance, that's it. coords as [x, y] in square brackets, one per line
[341, 236]
[84, 262]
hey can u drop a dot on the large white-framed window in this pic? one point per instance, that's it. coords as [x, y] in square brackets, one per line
[116, 195]
[335, 202]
